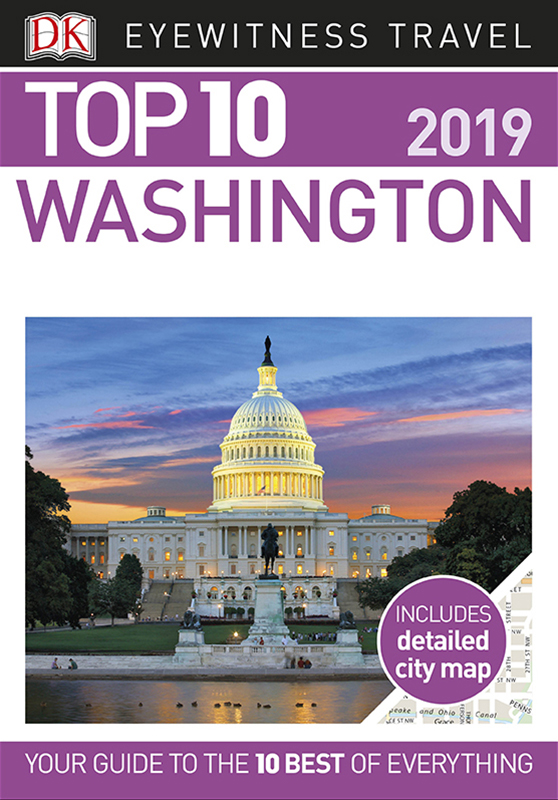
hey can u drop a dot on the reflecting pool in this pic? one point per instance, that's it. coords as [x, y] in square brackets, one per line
[147, 701]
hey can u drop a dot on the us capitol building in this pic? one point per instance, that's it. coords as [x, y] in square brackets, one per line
[267, 473]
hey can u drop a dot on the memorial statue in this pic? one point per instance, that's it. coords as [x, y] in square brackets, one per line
[192, 620]
[347, 620]
[270, 548]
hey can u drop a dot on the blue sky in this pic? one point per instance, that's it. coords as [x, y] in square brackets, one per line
[130, 412]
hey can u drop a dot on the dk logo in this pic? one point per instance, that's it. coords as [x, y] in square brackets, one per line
[71, 35]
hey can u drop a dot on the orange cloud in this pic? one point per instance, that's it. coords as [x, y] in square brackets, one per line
[138, 423]
[87, 483]
[463, 414]
[178, 411]
[336, 417]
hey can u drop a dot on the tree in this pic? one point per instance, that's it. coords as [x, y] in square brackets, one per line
[47, 585]
[377, 592]
[80, 575]
[130, 570]
[486, 532]
[419, 563]
[117, 598]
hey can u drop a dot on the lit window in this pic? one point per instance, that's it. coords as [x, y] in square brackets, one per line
[368, 555]
[299, 569]
[299, 550]
[121, 539]
[102, 543]
[180, 555]
[92, 559]
[384, 556]
[280, 569]
[102, 558]
[332, 533]
[331, 550]
[101, 575]
[299, 533]
[167, 556]
[355, 538]
[354, 555]
[383, 572]
[135, 539]
[151, 539]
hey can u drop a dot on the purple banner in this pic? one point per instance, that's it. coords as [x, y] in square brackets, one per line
[279, 119]
[244, 770]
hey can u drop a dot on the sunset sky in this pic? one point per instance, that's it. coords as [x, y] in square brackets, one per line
[129, 412]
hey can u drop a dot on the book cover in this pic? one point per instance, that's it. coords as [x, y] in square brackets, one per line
[272, 281]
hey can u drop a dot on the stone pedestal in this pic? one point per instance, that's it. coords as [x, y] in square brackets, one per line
[349, 651]
[187, 651]
[269, 613]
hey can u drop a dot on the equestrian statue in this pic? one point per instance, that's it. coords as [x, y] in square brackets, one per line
[270, 548]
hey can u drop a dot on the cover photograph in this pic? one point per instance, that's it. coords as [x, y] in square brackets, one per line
[279, 342]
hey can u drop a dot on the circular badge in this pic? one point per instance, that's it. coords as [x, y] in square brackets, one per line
[442, 639]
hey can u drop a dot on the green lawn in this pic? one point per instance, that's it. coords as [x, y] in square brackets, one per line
[137, 639]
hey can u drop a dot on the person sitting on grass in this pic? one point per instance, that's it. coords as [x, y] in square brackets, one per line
[72, 664]
[54, 664]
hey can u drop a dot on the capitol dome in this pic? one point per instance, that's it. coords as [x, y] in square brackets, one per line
[268, 455]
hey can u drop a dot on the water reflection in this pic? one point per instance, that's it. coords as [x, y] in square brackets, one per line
[223, 702]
